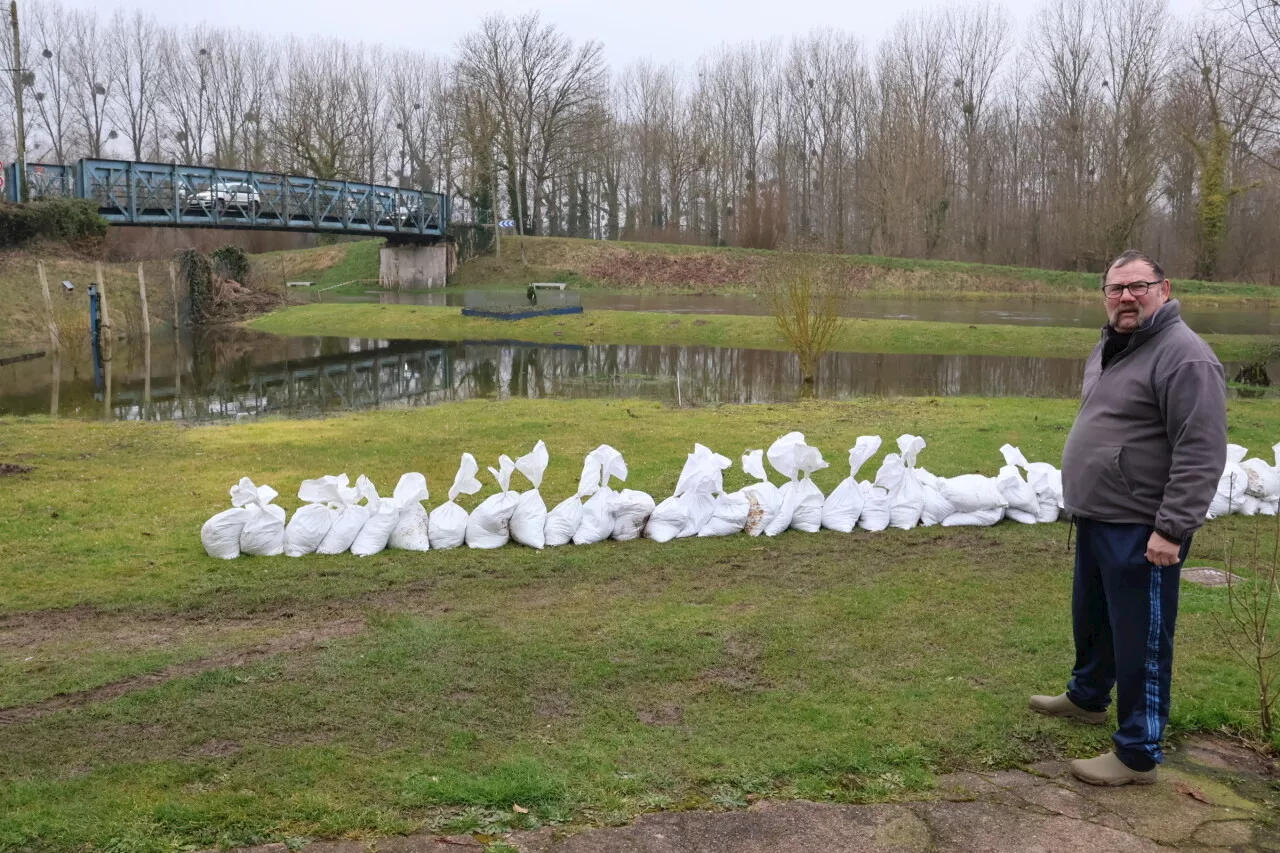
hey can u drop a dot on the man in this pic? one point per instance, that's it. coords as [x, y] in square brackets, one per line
[1139, 471]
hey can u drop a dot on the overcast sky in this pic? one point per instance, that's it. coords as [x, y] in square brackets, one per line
[663, 30]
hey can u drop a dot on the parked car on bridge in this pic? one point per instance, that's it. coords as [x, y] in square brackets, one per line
[221, 197]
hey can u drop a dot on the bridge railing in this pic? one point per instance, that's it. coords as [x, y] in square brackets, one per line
[130, 193]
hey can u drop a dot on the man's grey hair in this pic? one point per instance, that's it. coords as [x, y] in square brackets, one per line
[1129, 256]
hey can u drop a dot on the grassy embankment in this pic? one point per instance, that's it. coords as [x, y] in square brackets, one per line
[586, 684]
[701, 269]
[23, 321]
[633, 327]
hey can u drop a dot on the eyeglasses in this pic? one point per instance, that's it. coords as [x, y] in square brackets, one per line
[1137, 288]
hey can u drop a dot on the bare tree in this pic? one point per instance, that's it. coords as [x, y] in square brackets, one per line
[93, 75]
[1226, 105]
[541, 88]
[49, 52]
[316, 123]
[977, 42]
[135, 41]
[240, 68]
[186, 92]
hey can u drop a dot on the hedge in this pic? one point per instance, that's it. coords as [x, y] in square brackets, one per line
[50, 219]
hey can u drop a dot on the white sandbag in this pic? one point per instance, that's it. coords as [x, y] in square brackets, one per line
[875, 514]
[529, 520]
[310, 523]
[936, 507]
[220, 535]
[1250, 505]
[1023, 504]
[447, 523]
[1043, 480]
[563, 521]
[898, 477]
[801, 500]
[263, 533]
[689, 509]
[348, 519]
[489, 525]
[1264, 478]
[667, 520]
[1046, 480]
[306, 529]
[977, 518]
[1233, 484]
[806, 501]
[413, 531]
[763, 500]
[601, 465]
[971, 493]
[701, 481]
[630, 510]
[1269, 506]
[596, 524]
[384, 515]
[729, 515]
[842, 507]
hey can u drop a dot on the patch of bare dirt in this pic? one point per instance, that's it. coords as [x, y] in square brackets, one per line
[130, 630]
[741, 667]
[218, 748]
[293, 642]
[661, 715]
[553, 705]
[1232, 756]
[8, 468]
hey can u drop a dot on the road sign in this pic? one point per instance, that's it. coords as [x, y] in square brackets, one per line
[507, 223]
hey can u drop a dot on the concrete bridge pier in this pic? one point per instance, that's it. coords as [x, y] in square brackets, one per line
[402, 266]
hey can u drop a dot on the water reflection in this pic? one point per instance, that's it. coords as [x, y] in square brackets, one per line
[236, 373]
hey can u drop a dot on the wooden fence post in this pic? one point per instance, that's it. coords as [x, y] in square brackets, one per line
[146, 337]
[173, 287]
[108, 335]
[54, 343]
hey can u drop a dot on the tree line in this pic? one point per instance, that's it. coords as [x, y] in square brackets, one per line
[1104, 124]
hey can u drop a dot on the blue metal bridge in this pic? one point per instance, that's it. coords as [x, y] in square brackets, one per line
[129, 193]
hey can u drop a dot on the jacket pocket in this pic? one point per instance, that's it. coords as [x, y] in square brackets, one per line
[1103, 470]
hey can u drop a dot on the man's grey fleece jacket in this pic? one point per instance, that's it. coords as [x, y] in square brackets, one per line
[1150, 441]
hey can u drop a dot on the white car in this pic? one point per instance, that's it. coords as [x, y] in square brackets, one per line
[222, 197]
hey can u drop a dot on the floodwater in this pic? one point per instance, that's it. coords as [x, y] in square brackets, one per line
[237, 373]
[1014, 310]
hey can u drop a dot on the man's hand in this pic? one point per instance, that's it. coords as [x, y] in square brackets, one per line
[1162, 552]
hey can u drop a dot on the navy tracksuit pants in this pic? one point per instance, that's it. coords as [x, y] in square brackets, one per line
[1123, 610]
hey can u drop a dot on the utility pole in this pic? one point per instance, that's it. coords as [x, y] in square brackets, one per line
[493, 204]
[18, 85]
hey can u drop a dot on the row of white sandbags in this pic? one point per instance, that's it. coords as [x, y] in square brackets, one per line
[334, 521]
[1248, 486]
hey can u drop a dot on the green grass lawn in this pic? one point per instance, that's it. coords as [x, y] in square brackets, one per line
[635, 327]
[586, 684]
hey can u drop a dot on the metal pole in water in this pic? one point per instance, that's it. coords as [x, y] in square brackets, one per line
[95, 335]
